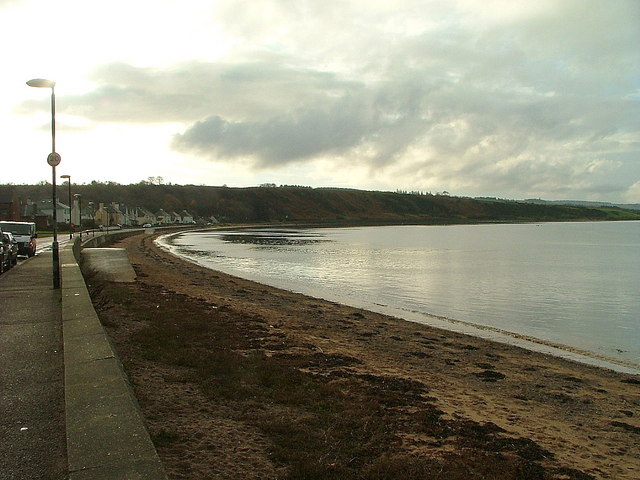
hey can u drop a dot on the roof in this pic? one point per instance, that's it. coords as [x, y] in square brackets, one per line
[48, 202]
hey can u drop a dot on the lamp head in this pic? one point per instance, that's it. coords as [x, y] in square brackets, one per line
[65, 176]
[41, 82]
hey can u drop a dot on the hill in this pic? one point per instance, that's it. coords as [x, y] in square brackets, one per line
[582, 203]
[321, 205]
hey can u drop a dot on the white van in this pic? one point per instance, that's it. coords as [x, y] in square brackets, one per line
[25, 233]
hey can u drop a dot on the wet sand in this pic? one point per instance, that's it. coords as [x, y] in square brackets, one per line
[586, 418]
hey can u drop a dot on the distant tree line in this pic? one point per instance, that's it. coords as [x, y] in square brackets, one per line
[324, 205]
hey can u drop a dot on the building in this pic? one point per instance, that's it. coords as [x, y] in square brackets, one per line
[108, 215]
[163, 218]
[41, 212]
[141, 216]
[187, 218]
[81, 218]
[9, 204]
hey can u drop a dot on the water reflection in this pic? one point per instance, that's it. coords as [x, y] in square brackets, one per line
[572, 284]
[277, 238]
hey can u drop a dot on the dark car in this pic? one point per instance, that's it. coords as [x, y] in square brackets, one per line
[9, 251]
[4, 255]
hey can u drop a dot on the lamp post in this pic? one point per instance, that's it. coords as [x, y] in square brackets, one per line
[93, 219]
[68, 177]
[53, 159]
[79, 197]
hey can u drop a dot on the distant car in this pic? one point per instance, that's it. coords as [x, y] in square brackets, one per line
[10, 250]
[106, 228]
[146, 225]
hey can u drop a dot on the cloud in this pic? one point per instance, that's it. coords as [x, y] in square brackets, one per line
[303, 134]
[9, 3]
[335, 119]
[633, 193]
[522, 97]
[191, 91]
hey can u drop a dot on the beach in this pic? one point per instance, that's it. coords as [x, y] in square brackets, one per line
[425, 402]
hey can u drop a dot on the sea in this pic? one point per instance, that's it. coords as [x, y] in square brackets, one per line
[566, 289]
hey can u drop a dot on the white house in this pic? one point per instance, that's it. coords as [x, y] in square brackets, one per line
[140, 216]
[175, 218]
[163, 218]
[187, 217]
[44, 207]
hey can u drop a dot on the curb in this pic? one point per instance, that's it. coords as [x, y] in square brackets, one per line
[106, 435]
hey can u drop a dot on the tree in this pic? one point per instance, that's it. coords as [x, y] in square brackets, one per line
[155, 180]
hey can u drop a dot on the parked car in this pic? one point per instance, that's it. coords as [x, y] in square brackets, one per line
[24, 233]
[10, 250]
[3, 255]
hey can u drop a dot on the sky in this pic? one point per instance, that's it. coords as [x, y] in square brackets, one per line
[501, 98]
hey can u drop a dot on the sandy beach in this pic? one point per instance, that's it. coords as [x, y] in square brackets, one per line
[444, 405]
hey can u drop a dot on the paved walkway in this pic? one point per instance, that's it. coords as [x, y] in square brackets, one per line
[32, 416]
[66, 408]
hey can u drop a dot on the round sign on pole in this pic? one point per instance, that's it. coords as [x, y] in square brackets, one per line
[54, 159]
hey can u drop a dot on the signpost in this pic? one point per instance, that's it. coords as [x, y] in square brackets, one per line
[53, 159]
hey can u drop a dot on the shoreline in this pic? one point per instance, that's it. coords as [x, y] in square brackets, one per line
[486, 403]
[485, 332]
[534, 344]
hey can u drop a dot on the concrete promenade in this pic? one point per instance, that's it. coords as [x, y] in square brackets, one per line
[32, 420]
[66, 408]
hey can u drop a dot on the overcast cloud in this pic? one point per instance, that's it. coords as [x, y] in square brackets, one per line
[502, 98]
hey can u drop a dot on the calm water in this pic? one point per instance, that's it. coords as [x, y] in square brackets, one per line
[574, 284]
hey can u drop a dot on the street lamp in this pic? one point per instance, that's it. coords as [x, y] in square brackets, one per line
[77, 195]
[53, 159]
[68, 177]
[93, 219]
